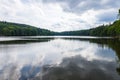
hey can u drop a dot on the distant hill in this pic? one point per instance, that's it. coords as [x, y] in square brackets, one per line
[15, 29]
[103, 30]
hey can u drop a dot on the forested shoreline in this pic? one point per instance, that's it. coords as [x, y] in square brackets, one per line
[16, 29]
[103, 30]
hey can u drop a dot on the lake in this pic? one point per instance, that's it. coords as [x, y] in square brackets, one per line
[59, 58]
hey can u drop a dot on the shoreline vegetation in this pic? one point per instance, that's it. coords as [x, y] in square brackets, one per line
[16, 29]
[112, 30]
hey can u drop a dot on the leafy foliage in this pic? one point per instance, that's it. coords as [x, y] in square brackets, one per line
[15, 29]
[103, 30]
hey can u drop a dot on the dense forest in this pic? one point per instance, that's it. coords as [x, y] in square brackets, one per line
[103, 30]
[15, 29]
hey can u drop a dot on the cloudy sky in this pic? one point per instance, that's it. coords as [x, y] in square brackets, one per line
[60, 15]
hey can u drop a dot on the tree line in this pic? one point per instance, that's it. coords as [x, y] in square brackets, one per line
[103, 30]
[15, 29]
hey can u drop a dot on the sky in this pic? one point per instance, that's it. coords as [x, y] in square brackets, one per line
[60, 15]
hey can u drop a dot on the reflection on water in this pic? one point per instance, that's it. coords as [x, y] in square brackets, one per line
[78, 68]
[50, 58]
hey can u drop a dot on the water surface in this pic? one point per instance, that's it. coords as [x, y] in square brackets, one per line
[59, 58]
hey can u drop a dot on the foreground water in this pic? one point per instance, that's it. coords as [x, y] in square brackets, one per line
[59, 58]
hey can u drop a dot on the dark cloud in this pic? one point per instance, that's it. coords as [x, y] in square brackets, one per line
[78, 6]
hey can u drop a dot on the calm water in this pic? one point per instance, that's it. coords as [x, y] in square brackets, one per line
[59, 58]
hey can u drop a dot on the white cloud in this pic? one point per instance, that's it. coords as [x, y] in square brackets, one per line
[53, 15]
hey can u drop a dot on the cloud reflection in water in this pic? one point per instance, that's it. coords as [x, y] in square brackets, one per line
[57, 59]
